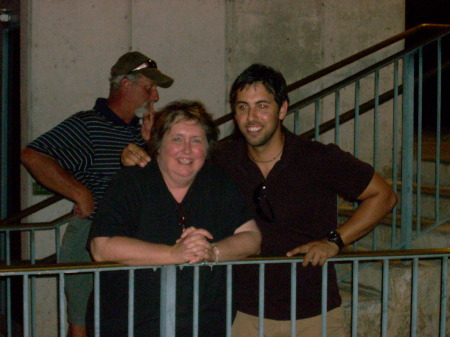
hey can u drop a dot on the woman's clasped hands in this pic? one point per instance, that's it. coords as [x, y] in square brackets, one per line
[193, 246]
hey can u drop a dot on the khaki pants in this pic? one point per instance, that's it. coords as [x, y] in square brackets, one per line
[247, 326]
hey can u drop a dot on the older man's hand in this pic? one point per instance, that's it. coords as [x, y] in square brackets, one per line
[133, 155]
[147, 123]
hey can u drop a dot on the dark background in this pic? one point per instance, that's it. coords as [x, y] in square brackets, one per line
[432, 11]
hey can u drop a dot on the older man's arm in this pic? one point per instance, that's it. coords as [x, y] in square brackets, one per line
[377, 200]
[52, 175]
[133, 155]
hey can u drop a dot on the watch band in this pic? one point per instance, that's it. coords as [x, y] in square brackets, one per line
[335, 237]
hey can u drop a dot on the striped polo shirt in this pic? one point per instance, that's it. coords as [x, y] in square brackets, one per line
[89, 145]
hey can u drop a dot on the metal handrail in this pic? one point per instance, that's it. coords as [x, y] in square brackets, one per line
[440, 29]
[30, 210]
[93, 266]
[363, 107]
[37, 225]
[437, 29]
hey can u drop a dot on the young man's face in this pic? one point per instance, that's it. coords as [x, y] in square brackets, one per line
[258, 115]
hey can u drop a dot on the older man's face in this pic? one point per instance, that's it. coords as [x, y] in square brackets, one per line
[143, 93]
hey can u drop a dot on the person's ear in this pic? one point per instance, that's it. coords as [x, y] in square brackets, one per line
[125, 83]
[283, 110]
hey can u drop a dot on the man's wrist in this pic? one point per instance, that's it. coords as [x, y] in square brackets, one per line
[335, 237]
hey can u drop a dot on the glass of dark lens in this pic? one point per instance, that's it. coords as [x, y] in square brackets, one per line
[263, 206]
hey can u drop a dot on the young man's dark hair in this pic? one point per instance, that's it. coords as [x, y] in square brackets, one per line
[272, 80]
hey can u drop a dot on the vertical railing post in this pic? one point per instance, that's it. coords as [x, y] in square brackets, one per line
[4, 159]
[168, 300]
[407, 151]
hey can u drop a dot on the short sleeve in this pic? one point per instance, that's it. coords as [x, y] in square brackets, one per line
[69, 143]
[341, 172]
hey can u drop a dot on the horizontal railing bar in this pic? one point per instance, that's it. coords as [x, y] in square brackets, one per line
[38, 225]
[445, 29]
[359, 75]
[50, 259]
[349, 115]
[363, 108]
[95, 266]
[30, 210]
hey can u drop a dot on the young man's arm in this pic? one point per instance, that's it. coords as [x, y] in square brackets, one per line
[377, 200]
[48, 172]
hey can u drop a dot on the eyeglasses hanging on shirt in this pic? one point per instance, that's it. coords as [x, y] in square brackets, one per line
[263, 206]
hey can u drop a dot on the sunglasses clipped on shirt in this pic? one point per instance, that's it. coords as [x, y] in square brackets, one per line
[262, 202]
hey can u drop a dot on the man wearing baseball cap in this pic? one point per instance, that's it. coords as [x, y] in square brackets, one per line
[78, 158]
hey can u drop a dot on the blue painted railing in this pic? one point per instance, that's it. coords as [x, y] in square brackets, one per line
[388, 312]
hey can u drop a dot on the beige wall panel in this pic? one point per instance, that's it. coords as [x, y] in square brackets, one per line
[187, 39]
[350, 27]
[72, 46]
[284, 34]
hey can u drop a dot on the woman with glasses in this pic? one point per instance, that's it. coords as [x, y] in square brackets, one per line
[178, 209]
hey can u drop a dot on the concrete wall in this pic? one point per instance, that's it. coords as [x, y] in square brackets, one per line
[69, 47]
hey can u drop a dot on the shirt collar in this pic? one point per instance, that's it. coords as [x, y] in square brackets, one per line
[102, 108]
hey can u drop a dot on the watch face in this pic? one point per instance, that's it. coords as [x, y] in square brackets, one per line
[333, 235]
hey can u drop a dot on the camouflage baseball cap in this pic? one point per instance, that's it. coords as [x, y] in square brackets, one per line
[136, 62]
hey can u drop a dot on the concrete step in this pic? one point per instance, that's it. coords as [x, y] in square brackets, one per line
[437, 238]
[399, 294]
[428, 173]
[444, 191]
[428, 146]
[427, 203]
[369, 309]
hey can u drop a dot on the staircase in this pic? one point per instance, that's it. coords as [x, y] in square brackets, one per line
[425, 211]
[400, 272]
